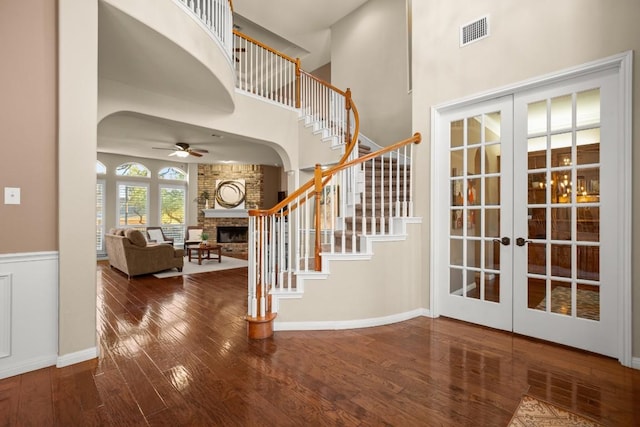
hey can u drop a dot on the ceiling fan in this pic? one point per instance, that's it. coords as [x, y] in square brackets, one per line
[182, 149]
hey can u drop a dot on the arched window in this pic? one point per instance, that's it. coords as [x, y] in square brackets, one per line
[172, 173]
[133, 169]
[101, 169]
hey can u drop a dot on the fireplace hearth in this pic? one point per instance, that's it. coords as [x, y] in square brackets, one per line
[237, 234]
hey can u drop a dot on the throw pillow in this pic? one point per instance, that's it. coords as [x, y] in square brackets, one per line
[136, 237]
[156, 235]
[195, 234]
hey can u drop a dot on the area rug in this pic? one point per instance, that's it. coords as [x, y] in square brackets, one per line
[532, 412]
[207, 265]
[588, 302]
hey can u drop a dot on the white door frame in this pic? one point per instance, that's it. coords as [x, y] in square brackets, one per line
[623, 64]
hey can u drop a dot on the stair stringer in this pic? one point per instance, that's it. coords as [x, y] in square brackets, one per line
[379, 286]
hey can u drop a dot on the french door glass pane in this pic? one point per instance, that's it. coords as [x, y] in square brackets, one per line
[588, 302]
[588, 146]
[588, 108]
[560, 298]
[561, 112]
[457, 162]
[457, 135]
[537, 117]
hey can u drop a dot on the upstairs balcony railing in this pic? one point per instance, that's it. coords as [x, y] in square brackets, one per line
[216, 16]
[265, 72]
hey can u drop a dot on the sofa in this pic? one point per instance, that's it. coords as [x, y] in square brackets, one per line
[129, 252]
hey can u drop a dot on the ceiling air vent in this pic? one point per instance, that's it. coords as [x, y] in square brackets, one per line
[474, 31]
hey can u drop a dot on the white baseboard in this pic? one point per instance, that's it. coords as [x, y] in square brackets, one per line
[28, 366]
[635, 362]
[77, 357]
[350, 324]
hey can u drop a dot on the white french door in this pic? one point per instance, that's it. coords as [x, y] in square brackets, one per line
[478, 180]
[528, 224]
[565, 170]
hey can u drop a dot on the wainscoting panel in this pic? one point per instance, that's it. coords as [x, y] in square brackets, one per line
[32, 313]
[5, 315]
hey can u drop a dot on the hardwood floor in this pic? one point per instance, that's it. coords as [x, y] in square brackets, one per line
[175, 352]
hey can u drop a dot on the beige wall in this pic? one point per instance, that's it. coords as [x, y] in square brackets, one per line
[323, 72]
[28, 123]
[369, 55]
[528, 38]
[271, 185]
[77, 129]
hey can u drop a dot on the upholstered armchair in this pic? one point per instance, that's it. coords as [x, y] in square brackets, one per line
[192, 236]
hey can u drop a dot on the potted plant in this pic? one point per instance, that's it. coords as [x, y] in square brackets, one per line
[205, 237]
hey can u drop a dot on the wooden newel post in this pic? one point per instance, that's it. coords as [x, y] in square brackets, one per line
[260, 319]
[298, 83]
[318, 189]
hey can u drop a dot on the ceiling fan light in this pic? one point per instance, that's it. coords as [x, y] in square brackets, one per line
[181, 153]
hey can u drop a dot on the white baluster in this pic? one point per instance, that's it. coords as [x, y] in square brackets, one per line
[373, 196]
[382, 210]
[397, 213]
[390, 192]
[252, 302]
[273, 237]
[263, 273]
[404, 192]
[411, 187]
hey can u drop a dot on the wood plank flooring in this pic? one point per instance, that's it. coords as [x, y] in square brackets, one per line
[175, 352]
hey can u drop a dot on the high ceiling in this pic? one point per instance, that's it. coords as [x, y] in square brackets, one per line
[303, 32]
[304, 23]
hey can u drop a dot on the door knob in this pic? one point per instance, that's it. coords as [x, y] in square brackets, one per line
[521, 241]
[505, 241]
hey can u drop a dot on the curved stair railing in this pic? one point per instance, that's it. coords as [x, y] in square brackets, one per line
[292, 237]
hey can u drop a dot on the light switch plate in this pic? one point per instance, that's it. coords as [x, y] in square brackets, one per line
[11, 196]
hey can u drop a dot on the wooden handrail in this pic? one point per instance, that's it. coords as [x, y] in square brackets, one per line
[231, 5]
[350, 105]
[416, 138]
[264, 46]
[322, 82]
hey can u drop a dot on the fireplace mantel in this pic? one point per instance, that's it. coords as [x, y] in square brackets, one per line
[225, 213]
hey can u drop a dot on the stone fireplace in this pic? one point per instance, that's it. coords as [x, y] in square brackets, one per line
[229, 230]
[262, 184]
